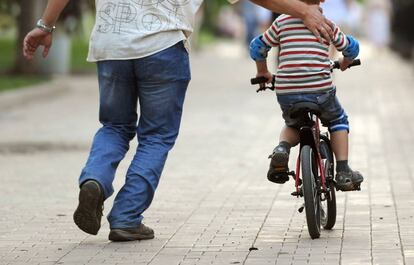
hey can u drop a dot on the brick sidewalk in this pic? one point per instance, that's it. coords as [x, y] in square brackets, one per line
[214, 204]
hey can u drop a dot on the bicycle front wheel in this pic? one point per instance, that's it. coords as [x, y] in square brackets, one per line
[328, 201]
[310, 191]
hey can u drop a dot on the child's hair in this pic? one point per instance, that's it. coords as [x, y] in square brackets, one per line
[312, 2]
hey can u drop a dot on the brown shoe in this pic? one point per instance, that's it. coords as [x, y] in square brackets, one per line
[142, 232]
[89, 212]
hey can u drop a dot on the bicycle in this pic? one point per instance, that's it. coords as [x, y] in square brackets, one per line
[317, 184]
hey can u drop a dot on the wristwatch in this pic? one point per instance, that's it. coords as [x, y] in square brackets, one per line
[41, 25]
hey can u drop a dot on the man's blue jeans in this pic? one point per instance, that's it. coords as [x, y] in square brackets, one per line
[159, 83]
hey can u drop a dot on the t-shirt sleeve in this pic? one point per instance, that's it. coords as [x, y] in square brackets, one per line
[271, 35]
[339, 39]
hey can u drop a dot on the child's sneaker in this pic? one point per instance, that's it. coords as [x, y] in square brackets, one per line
[278, 169]
[347, 181]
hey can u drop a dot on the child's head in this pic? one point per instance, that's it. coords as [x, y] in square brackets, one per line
[313, 2]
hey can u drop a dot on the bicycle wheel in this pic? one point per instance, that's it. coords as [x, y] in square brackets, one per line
[328, 200]
[310, 191]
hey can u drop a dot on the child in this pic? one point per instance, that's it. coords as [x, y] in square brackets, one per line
[303, 74]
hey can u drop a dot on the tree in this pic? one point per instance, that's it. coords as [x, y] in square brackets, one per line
[28, 12]
[211, 9]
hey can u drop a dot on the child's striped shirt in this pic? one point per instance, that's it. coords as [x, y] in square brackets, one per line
[304, 65]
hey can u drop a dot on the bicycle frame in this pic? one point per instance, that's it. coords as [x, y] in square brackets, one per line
[310, 135]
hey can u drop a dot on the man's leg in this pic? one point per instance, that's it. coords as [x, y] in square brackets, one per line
[162, 83]
[118, 103]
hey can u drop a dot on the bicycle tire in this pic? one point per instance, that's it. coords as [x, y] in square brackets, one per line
[328, 221]
[310, 192]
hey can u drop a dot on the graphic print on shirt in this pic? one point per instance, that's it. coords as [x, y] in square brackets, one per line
[119, 17]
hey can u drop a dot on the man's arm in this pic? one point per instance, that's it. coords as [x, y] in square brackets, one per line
[311, 14]
[53, 10]
[38, 37]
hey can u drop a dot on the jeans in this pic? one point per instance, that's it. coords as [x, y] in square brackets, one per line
[159, 83]
[332, 115]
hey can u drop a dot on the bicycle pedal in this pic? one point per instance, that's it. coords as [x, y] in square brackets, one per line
[294, 179]
[301, 208]
[297, 193]
[278, 177]
[282, 170]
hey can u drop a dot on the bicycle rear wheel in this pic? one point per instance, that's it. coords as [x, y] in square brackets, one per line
[328, 201]
[311, 191]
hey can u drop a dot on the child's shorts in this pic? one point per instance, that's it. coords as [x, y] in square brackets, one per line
[332, 115]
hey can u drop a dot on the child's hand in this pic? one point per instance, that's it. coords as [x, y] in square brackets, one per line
[267, 75]
[344, 63]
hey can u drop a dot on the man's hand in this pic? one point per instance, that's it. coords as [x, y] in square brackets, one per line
[33, 40]
[316, 22]
[344, 63]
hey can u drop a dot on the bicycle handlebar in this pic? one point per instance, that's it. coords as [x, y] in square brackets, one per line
[258, 80]
[356, 62]
[334, 65]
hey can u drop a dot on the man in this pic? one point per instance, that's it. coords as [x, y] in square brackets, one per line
[139, 49]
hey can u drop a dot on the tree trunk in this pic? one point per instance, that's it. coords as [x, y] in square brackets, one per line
[31, 11]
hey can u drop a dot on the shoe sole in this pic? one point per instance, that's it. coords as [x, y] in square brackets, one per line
[118, 235]
[280, 164]
[351, 186]
[86, 215]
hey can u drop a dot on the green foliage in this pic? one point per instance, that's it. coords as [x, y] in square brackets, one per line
[211, 9]
[6, 6]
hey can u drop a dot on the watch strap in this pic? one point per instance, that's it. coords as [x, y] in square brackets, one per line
[42, 26]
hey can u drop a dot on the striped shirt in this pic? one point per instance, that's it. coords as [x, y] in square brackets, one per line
[304, 64]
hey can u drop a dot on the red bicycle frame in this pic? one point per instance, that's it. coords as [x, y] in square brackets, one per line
[315, 140]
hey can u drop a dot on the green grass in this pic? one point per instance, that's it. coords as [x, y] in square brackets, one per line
[78, 60]
[7, 54]
[7, 57]
[13, 82]
[206, 37]
[79, 54]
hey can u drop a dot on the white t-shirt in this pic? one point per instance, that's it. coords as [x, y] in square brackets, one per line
[130, 29]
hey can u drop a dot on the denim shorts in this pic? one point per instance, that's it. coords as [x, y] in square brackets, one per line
[332, 115]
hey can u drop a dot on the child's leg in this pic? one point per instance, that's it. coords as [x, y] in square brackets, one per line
[289, 135]
[335, 117]
[339, 143]
[280, 157]
[346, 178]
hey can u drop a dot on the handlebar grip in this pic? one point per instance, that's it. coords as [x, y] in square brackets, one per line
[258, 80]
[354, 63]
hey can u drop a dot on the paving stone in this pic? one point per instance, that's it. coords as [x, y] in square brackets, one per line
[214, 204]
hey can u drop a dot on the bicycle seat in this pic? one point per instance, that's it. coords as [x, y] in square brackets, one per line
[300, 109]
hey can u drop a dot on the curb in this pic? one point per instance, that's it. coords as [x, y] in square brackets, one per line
[36, 93]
